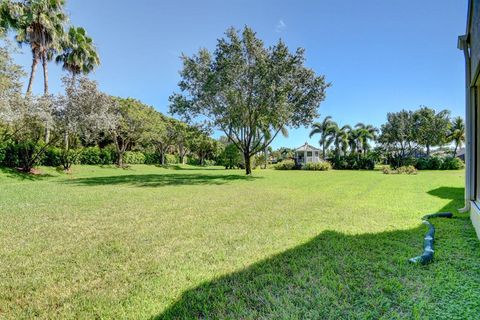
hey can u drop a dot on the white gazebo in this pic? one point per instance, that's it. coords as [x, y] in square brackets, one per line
[306, 154]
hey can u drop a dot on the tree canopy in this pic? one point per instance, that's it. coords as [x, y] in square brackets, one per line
[248, 91]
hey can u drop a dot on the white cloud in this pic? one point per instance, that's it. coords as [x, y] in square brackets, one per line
[280, 26]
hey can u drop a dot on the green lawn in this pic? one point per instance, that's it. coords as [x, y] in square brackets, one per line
[148, 242]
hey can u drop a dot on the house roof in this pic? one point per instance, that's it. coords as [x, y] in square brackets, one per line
[307, 147]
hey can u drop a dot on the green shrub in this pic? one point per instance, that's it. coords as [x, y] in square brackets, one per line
[452, 164]
[422, 164]
[108, 155]
[52, 157]
[3, 152]
[21, 155]
[171, 159]
[353, 162]
[437, 163]
[91, 156]
[399, 161]
[209, 163]
[285, 165]
[133, 157]
[152, 158]
[318, 166]
[231, 157]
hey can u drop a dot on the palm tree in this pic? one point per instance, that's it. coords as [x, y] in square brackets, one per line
[79, 54]
[457, 133]
[366, 133]
[325, 128]
[340, 139]
[344, 133]
[40, 24]
[354, 140]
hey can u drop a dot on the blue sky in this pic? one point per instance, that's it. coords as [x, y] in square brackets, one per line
[380, 55]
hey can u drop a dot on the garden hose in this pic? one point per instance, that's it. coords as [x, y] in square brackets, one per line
[429, 238]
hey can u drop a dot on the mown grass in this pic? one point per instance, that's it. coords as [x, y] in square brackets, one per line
[149, 242]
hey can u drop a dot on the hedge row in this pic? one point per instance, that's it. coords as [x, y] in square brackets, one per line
[353, 162]
[290, 165]
[11, 156]
[437, 163]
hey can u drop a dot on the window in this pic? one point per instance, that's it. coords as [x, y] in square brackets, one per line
[309, 153]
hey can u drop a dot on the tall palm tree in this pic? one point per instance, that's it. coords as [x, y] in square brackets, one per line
[366, 133]
[79, 54]
[344, 133]
[354, 140]
[325, 128]
[457, 133]
[340, 139]
[40, 24]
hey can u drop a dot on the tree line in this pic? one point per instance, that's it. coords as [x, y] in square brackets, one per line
[82, 116]
[407, 135]
[250, 92]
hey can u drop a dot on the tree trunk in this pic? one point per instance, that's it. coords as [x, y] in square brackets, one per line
[45, 73]
[181, 153]
[45, 92]
[248, 163]
[120, 158]
[32, 74]
[266, 155]
[65, 140]
[455, 150]
[428, 150]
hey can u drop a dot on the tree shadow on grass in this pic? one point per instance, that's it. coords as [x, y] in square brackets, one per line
[339, 276]
[189, 167]
[19, 175]
[160, 180]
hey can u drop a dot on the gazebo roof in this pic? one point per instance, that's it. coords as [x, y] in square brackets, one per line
[306, 147]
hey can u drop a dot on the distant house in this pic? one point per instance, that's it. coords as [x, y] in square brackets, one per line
[470, 44]
[306, 154]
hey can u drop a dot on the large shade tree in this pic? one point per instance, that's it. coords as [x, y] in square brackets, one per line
[431, 127]
[398, 137]
[131, 122]
[248, 91]
[83, 114]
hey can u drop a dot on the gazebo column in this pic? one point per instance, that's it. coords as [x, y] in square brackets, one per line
[305, 157]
